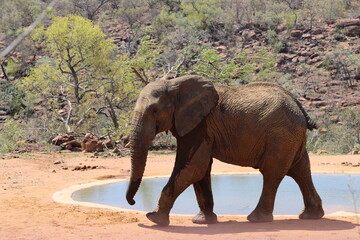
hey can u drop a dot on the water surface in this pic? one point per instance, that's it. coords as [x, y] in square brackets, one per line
[235, 194]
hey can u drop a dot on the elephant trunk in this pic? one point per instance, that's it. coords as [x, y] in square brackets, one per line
[139, 142]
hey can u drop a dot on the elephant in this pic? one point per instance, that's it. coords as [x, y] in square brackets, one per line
[259, 125]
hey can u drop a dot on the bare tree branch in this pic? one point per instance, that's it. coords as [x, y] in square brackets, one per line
[3, 70]
[143, 79]
[68, 117]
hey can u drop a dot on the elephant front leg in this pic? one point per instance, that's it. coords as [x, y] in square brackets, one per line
[191, 165]
[205, 200]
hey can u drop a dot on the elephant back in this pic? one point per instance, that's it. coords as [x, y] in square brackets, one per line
[265, 103]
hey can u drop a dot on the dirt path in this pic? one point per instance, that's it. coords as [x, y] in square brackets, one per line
[27, 210]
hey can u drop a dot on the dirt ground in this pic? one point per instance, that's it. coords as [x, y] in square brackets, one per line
[27, 210]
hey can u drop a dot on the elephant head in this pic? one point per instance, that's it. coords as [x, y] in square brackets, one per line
[178, 105]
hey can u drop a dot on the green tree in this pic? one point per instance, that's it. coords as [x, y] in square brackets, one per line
[242, 68]
[85, 73]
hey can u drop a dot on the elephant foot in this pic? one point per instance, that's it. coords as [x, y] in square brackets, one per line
[257, 216]
[160, 219]
[312, 213]
[205, 218]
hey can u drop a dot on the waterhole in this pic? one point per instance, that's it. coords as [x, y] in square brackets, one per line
[235, 194]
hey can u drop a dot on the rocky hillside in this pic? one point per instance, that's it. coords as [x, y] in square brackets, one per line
[321, 65]
[316, 61]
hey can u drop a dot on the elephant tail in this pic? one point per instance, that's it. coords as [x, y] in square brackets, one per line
[311, 124]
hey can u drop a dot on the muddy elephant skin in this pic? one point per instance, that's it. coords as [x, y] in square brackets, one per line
[259, 125]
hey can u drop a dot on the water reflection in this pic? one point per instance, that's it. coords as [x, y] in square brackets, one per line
[233, 194]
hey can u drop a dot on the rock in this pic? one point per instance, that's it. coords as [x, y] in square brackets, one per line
[314, 55]
[296, 33]
[304, 52]
[65, 151]
[91, 143]
[355, 152]
[249, 34]
[108, 143]
[317, 31]
[221, 48]
[77, 168]
[55, 148]
[57, 162]
[352, 30]
[280, 28]
[346, 164]
[323, 130]
[302, 59]
[335, 119]
[306, 35]
[62, 112]
[340, 37]
[351, 26]
[318, 37]
[341, 23]
[58, 140]
[67, 146]
[321, 152]
[318, 64]
[72, 143]
[318, 104]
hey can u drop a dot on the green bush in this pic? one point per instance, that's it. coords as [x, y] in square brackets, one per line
[341, 137]
[10, 133]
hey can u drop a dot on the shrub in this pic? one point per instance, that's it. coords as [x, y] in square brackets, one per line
[10, 133]
[341, 137]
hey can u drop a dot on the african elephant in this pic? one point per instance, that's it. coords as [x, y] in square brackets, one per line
[259, 125]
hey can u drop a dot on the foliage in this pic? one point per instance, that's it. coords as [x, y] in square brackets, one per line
[19, 105]
[343, 63]
[342, 136]
[79, 80]
[277, 45]
[242, 68]
[85, 74]
[10, 133]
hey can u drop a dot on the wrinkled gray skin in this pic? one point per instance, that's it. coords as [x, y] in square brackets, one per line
[258, 125]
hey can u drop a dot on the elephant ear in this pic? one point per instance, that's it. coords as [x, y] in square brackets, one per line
[195, 99]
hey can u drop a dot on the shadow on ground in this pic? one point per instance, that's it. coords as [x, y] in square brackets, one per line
[231, 227]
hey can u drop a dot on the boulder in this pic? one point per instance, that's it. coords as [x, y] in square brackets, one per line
[352, 30]
[249, 34]
[341, 23]
[108, 143]
[351, 26]
[296, 33]
[59, 140]
[71, 145]
[323, 130]
[91, 143]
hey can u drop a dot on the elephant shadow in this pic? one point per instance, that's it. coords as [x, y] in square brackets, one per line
[232, 227]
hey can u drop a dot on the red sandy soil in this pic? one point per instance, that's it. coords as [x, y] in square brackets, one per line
[27, 210]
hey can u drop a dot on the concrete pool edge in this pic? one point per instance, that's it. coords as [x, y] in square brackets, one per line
[64, 196]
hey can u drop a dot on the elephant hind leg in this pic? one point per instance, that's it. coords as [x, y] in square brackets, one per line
[205, 200]
[264, 209]
[302, 175]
